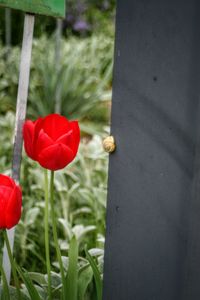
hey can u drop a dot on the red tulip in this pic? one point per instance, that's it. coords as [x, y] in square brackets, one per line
[10, 202]
[52, 141]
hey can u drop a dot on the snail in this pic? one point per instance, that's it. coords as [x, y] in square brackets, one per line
[109, 144]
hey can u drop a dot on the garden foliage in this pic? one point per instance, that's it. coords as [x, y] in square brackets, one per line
[80, 198]
[81, 187]
[84, 80]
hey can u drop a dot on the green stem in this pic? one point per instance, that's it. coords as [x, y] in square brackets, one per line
[46, 226]
[54, 227]
[5, 294]
[12, 262]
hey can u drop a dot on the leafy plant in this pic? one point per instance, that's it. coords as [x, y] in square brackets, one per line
[83, 79]
[81, 201]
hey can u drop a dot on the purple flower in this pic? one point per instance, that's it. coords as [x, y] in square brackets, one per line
[81, 25]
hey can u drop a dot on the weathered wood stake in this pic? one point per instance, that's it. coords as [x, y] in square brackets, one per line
[58, 65]
[20, 116]
[8, 28]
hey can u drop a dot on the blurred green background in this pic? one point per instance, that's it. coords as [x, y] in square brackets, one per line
[83, 76]
[82, 83]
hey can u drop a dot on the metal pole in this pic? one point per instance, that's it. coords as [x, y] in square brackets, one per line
[20, 116]
[58, 65]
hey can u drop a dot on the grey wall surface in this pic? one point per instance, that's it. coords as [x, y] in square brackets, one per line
[153, 215]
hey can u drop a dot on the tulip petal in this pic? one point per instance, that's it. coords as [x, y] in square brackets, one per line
[55, 126]
[30, 133]
[55, 157]
[65, 138]
[5, 193]
[76, 136]
[14, 208]
[6, 181]
[72, 138]
[38, 126]
[43, 141]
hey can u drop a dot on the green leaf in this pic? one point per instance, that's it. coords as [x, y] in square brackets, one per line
[85, 277]
[71, 289]
[5, 292]
[38, 278]
[97, 275]
[13, 293]
[96, 252]
[56, 280]
[29, 284]
[31, 216]
[81, 231]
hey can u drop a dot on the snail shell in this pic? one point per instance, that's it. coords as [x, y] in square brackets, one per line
[109, 144]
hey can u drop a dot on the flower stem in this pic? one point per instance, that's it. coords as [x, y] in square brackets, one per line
[54, 226]
[46, 226]
[5, 294]
[13, 266]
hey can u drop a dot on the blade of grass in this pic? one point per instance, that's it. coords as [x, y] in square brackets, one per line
[29, 284]
[72, 275]
[97, 275]
[5, 291]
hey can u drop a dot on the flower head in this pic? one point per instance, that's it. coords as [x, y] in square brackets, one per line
[52, 141]
[10, 202]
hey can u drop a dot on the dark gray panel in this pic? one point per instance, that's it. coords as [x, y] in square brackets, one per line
[153, 216]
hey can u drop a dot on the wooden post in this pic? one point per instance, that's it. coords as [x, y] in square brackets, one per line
[8, 28]
[20, 115]
[58, 65]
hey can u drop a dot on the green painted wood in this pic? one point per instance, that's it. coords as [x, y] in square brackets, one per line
[54, 8]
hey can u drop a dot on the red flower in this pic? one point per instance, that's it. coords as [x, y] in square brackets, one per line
[10, 202]
[52, 141]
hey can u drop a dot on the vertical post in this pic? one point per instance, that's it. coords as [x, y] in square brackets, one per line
[8, 27]
[57, 64]
[20, 116]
